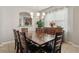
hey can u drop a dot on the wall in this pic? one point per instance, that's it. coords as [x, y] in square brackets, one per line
[73, 22]
[9, 19]
[76, 26]
[0, 24]
[70, 23]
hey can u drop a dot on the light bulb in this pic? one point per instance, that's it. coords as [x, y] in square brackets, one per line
[31, 13]
[43, 14]
[38, 14]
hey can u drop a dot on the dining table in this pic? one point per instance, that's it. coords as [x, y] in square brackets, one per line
[40, 39]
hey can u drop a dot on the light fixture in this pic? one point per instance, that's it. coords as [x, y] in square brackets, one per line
[31, 13]
[38, 14]
[43, 14]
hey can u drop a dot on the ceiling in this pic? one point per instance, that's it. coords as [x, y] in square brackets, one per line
[33, 8]
[27, 8]
[37, 8]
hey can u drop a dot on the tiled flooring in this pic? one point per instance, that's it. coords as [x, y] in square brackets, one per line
[66, 48]
[7, 48]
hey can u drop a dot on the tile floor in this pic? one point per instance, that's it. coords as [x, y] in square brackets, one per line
[66, 48]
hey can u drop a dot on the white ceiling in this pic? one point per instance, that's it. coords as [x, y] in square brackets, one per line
[27, 8]
[37, 8]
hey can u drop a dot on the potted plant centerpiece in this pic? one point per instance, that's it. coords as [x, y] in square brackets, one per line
[40, 23]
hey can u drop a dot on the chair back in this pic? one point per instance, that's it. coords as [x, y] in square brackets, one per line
[58, 42]
[23, 42]
[25, 30]
[17, 40]
[15, 35]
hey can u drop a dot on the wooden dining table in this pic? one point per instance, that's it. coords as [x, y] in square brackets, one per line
[40, 39]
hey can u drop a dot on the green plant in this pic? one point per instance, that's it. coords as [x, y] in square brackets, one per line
[40, 23]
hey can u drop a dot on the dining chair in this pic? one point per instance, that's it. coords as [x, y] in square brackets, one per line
[27, 46]
[16, 38]
[24, 44]
[58, 42]
[47, 47]
[24, 30]
[32, 46]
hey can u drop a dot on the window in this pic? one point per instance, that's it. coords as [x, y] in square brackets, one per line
[59, 17]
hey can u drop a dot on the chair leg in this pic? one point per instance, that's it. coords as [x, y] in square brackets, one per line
[17, 49]
[15, 45]
[21, 50]
[59, 51]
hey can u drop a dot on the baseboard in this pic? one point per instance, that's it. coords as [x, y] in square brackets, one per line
[6, 42]
[73, 44]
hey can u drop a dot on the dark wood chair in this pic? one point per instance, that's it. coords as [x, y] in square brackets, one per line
[48, 47]
[58, 42]
[27, 44]
[32, 46]
[24, 43]
[16, 38]
[25, 30]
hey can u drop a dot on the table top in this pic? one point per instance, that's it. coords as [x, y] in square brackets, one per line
[40, 38]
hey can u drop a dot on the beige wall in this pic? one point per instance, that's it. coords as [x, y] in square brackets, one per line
[73, 25]
[76, 25]
[9, 20]
[0, 24]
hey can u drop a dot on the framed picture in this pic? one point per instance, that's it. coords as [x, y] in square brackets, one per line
[25, 19]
